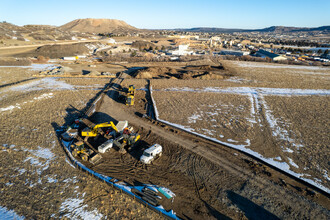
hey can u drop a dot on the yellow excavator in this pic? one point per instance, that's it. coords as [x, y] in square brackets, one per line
[93, 130]
[130, 95]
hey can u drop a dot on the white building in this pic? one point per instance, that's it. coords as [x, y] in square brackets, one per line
[183, 50]
[111, 41]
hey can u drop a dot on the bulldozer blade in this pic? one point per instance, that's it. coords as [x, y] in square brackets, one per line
[96, 158]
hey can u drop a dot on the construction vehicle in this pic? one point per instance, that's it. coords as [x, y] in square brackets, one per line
[79, 149]
[151, 153]
[94, 130]
[130, 95]
[131, 90]
[83, 147]
[128, 138]
[105, 146]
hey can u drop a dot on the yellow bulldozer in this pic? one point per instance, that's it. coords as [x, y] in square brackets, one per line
[79, 149]
[85, 151]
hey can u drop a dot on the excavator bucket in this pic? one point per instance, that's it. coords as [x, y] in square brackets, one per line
[94, 159]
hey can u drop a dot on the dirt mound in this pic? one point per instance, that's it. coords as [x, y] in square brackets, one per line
[204, 67]
[155, 72]
[91, 25]
[58, 51]
[141, 45]
[15, 62]
[171, 73]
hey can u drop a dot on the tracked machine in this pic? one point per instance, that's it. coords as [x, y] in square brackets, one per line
[127, 138]
[130, 95]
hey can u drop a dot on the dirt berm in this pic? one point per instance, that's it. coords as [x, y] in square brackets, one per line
[57, 51]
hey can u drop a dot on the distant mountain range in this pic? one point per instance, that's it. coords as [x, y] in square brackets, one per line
[92, 25]
[274, 29]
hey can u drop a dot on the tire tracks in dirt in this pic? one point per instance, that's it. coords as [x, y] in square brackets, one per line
[264, 187]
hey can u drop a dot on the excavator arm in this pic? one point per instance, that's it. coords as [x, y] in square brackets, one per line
[96, 129]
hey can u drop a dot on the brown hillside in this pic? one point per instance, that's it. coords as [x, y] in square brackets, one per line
[98, 26]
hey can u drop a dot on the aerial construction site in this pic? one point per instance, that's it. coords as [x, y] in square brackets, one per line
[89, 133]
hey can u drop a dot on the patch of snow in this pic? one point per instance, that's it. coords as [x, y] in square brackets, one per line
[212, 113]
[52, 180]
[207, 131]
[9, 214]
[254, 90]
[277, 130]
[45, 83]
[236, 80]
[21, 171]
[12, 107]
[278, 158]
[194, 118]
[75, 209]
[279, 66]
[221, 136]
[231, 140]
[292, 163]
[288, 150]
[33, 161]
[43, 153]
[326, 175]
[9, 108]
[66, 160]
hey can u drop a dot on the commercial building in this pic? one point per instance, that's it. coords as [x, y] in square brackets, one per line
[273, 56]
[234, 52]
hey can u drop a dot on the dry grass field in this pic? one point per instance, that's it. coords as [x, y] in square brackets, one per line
[38, 180]
[279, 113]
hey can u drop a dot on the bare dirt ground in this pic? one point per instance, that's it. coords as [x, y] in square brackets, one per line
[286, 123]
[37, 179]
[13, 74]
[210, 180]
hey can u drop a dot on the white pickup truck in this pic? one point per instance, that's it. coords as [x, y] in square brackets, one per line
[151, 153]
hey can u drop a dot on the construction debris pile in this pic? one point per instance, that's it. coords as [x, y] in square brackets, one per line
[60, 70]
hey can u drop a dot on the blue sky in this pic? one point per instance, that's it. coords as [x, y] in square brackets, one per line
[172, 13]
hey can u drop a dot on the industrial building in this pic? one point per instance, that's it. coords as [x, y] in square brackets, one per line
[234, 52]
[273, 56]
